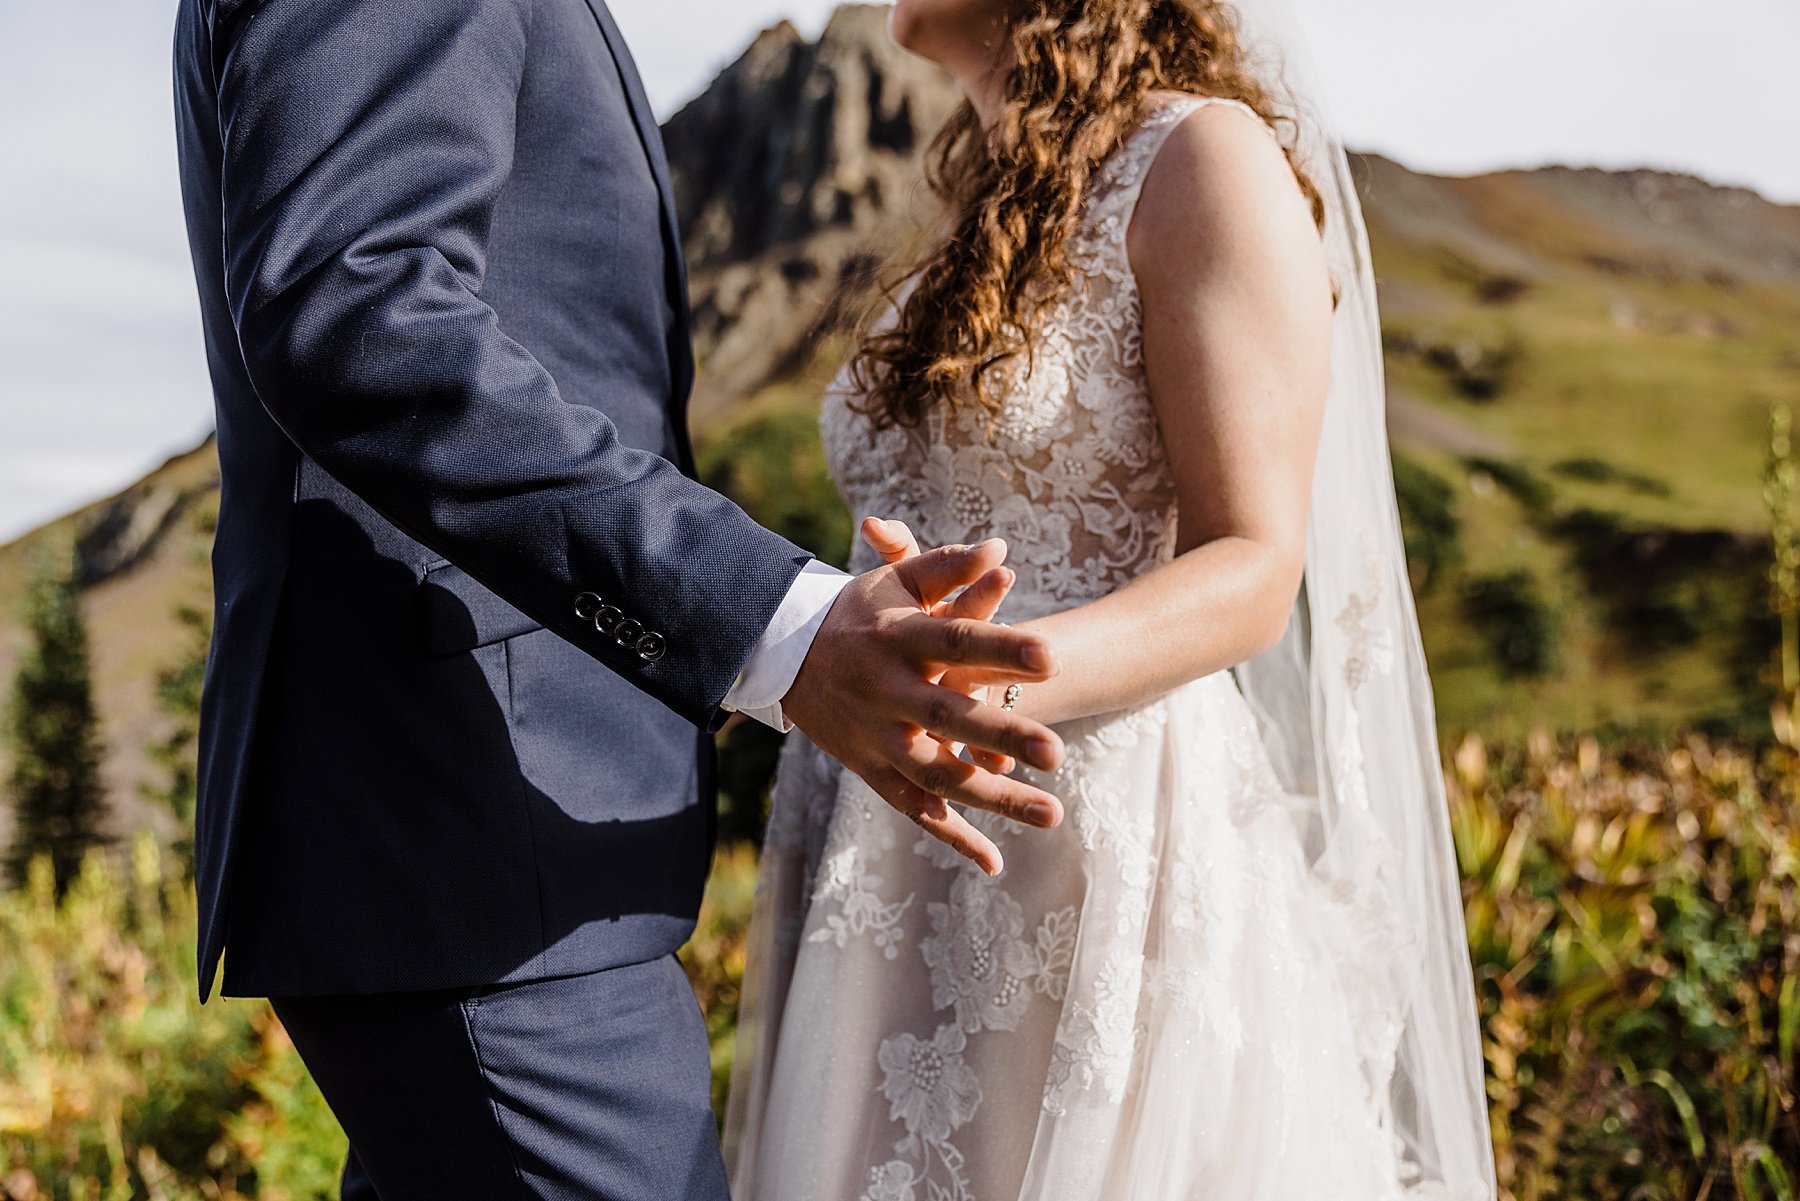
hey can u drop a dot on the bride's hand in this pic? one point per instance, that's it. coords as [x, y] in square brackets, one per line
[895, 543]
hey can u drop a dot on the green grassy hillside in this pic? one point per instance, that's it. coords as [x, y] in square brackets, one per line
[1596, 355]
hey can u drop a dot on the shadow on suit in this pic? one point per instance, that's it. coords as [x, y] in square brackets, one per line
[376, 869]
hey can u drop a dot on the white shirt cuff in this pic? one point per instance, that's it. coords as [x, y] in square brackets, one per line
[775, 663]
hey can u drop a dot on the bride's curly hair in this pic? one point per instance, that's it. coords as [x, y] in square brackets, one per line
[1080, 75]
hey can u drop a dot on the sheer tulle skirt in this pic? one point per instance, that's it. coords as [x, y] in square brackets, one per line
[1156, 1002]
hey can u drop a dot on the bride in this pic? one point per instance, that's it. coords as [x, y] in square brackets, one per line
[1146, 355]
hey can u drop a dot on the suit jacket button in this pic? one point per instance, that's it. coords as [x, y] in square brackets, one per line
[627, 632]
[588, 604]
[607, 618]
[652, 646]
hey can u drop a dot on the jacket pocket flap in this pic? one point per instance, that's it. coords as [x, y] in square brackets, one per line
[461, 614]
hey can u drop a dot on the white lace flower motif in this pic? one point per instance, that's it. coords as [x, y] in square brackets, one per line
[971, 484]
[1071, 473]
[929, 1088]
[1061, 580]
[1095, 1046]
[892, 1181]
[1368, 650]
[980, 964]
[1036, 409]
[1043, 539]
[1125, 433]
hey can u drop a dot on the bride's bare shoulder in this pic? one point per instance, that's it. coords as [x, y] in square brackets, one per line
[1221, 173]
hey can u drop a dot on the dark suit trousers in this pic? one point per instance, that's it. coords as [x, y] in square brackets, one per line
[580, 1088]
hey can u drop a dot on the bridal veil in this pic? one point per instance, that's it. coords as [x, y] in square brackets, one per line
[1345, 706]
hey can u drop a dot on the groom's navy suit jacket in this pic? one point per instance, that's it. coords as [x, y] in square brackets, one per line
[445, 317]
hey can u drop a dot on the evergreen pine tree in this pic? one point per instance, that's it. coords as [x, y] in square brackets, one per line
[51, 730]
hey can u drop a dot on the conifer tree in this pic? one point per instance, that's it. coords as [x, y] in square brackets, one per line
[59, 804]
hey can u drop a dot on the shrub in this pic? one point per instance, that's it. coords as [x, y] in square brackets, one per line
[1633, 926]
[1428, 520]
[1599, 471]
[114, 1081]
[1532, 493]
[178, 697]
[1522, 630]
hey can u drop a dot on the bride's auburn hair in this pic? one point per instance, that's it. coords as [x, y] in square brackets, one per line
[1080, 73]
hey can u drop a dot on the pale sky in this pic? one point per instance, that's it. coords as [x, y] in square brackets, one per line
[101, 373]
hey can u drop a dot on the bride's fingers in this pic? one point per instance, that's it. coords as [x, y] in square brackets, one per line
[892, 540]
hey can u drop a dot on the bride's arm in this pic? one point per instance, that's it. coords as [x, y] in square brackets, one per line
[1237, 343]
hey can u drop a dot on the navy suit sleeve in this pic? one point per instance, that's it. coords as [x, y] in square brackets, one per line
[365, 143]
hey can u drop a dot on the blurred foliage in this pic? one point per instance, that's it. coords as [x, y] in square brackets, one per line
[1599, 471]
[52, 732]
[714, 959]
[1428, 516]
[114, 1082]
[1533, 495]
[1633, 925]
[1475, 367]
[1666, 589]
[1780, 472]
[769, 460]
[1522, 629]
[748, 751]
[178, 696]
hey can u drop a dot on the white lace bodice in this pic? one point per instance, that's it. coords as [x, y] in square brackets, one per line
[1070, 469]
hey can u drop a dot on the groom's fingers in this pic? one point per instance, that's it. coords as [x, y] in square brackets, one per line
[952, 716]
[934, 575]
[934, 769]
[964, 643]
[937, 819]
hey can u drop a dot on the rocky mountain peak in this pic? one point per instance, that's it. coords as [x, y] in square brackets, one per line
[795, 172]
[796, 138]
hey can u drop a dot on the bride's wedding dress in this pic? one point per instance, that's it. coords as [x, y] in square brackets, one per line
[1162, 999]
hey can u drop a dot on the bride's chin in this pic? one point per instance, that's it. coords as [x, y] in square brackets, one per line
[906, 25]
[930, 28]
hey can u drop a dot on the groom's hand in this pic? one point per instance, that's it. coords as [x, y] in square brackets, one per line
[868, 695]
